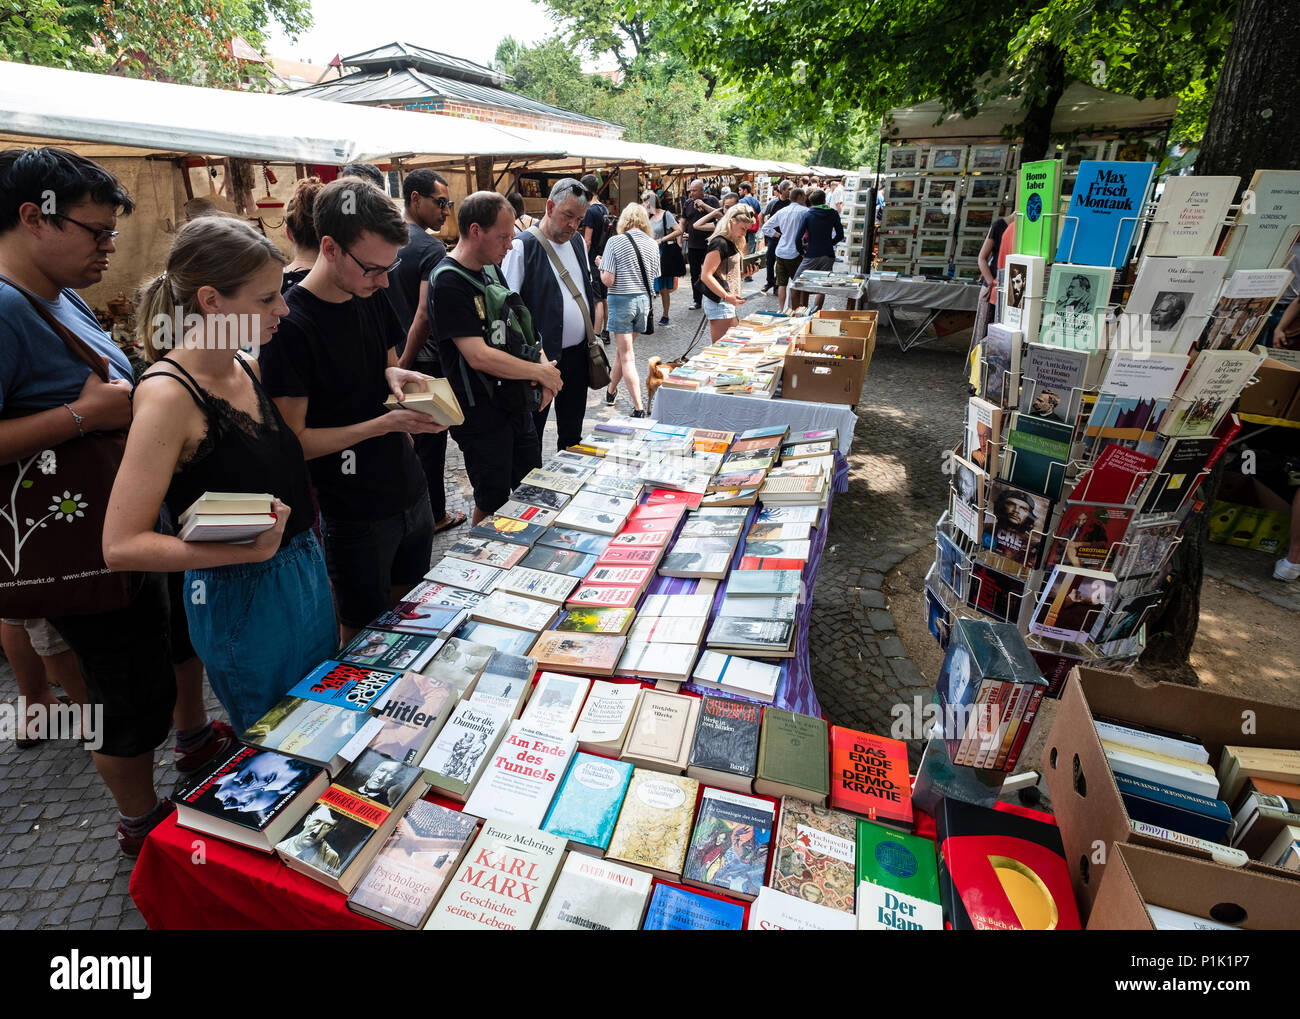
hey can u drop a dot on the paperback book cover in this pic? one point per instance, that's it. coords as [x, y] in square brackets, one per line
[602, 727]
[501, 554]
[1189, 216]
[505, 681]
[1133, 397]
[342, 685]
[1001, 375]
[1037, 200]
[1072, 603]
[813, 858]
[406, 718]
[777, 911]
[308, 730]
[419, 618]
[438, 595]
[459, 662]
[406, 878]
[587, 805]
[1053, 382]
[505, 608]
[1088, 536]
[737, 676]
[517, 510]
[654, 824]
[556, 701]
[395, 652]
[1116, 476]
[573, 539]
[583, 653]
[869, 777]
[1215, 379]
[1037, 454]
[609, 622]
[1075, 309]
[549, 587]
[1172, 298]
[997, 593]
[463, 574]
[676, 909]
[1018, 524]
[569, 562]
[730, 847]
[1179, 473]
[898, 881]
[1243, 308]
[522, 776]
[463, 747]
[596, 895]
[1105, 208]
[1264, 231]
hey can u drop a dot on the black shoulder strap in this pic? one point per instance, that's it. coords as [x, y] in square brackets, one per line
[191, 387]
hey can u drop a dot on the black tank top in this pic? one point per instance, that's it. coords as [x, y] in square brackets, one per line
[240, 455]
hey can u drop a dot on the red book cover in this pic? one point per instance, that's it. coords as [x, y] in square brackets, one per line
[668, 498]
[1228, 429]
[1115, 477]
[630, 555]
[869, 777]
[647, 525]
[1022, 734]
[1087, 536]
[755, 562]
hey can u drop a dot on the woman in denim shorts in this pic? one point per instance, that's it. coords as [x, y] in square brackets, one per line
[628, 268]
[721, 272]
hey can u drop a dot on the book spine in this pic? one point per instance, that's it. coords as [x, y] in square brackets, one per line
[1151, 742]
[1170, 796]
[1022, 734]
[1166, 759]
[958, 746]
[993, 723]
[1008, 735]
[1160, 773]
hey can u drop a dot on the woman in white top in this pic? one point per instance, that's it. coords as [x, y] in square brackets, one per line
[667, 232]
[628, 266]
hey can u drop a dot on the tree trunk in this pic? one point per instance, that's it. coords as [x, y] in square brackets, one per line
[1047, 85]
[1254, 124]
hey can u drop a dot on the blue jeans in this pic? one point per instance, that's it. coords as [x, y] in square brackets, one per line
[261, 627]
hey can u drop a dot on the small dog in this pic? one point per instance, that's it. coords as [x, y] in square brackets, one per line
[656, 372]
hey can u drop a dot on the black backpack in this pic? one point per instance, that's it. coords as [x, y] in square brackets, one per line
[600, 234]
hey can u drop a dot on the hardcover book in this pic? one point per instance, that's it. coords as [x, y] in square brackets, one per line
[522, 776]
[814, 854]
[308, 730]
[596, 895]
[587, 805]
[730, 847]
[676, 909]
[556, 701]
[249, 796]
[407, 876]
[661, 732]
[584, 653]
[602, 726]
[793, 757]
[898, 881]
[777, 911]
[463, 747]
[501, 883]
[501, 554]
[654, 824]
[725, 750]
[337, 838]
[869, 777]
[1105, 209]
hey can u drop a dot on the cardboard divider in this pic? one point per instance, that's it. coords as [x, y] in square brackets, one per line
[827, 360]
[1138, 875]
[1088, 807]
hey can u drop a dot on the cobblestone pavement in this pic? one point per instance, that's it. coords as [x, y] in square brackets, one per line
[59, 862]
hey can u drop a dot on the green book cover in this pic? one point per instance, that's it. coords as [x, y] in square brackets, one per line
[1040, 449]
[898, 880]
[793, 751]
[1036, 205]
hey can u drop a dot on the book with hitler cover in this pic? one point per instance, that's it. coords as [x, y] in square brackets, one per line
[502, 882]
[249, 796]
[406, 718]
[869, 777]
[813, 855]
[408, 874]
[337, 838]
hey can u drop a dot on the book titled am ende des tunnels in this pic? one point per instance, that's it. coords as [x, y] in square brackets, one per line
[520, 780]
[502, 881]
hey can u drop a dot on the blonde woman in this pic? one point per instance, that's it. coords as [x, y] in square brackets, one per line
[628, 268]
[721, 272]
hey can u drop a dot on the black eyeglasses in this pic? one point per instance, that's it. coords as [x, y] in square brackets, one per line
[102, 234]
[371, 271]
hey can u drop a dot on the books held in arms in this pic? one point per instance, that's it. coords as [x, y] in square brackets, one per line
[432, 396]
[502, 882]
[340, 834]
[226, 516]
[404, 881]
[249, 796]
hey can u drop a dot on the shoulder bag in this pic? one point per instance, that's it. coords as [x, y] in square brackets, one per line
[649, 288]
[597, 359]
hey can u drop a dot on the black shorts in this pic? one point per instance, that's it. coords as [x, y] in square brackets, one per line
[598, 289]
[367, 558]
[126, 659]
[499, 450]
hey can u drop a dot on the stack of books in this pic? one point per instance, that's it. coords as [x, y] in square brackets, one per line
[226, 516]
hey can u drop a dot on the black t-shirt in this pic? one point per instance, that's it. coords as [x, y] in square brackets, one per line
[697, 239]
[420, 255]
[775, 206]
[454, 308]
[725, 249]
[595, 218]
[335, 356]
[996, 230]
[292, 278]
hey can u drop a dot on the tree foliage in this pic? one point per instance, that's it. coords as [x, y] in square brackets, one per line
[176, 40]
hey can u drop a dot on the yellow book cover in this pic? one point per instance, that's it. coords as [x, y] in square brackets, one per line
[654, 827]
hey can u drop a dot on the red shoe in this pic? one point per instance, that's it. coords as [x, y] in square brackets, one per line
[132, 844]
[222, 739]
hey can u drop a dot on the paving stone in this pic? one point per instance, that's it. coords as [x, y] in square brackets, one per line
[892, 647]
[880, 620]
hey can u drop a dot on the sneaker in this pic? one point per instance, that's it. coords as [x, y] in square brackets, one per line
[1286, 570]
[222, 739]
[663, 321]
[610, 398]
[696, 307]
[130, 845]
[640, 413]
[604, 337]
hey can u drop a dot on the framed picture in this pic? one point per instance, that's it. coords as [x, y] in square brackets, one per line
[969, 244]
[986, 158]
[902, 216]
[902, 268]
[933, 247]
[936, 219]
[937, 187]
[530, 188]
[1132, 150]
[903, 159]
[901, 189]
[1067, 184]
[1077, 152]
[947, 159]
[977, 218]
[986, 188]
[965, 270]
[932, 268]
[896, 246]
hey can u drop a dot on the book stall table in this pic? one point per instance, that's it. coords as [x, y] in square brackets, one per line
[186, 880]
[920, 295]
[854, 295]
[741, 413]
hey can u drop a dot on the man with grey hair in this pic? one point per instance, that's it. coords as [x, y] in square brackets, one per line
[700, 214]
[548, 266]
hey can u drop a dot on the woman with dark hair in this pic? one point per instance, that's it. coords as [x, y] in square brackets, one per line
[260, 613]
[301, 231]
[522, 220]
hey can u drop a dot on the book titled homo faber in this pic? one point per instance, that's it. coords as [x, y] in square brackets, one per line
[1036, 208]
[502, 882]
[521, 778]
[596, 895]
[587, 805]
[898, 881]
[1105, 208]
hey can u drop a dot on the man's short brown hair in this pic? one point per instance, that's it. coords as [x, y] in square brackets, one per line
[350, 205]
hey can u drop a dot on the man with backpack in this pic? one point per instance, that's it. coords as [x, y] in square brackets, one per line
[550, 268]
[598, 226]
[490, 354]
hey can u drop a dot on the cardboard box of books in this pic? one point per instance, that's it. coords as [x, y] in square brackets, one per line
[1249, 514]
[1086, 795]
[1275, 393]
[1149, 889]
[827, 361]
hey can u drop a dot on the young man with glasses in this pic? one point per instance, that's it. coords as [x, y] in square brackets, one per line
[330, 369]
[427, 206]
